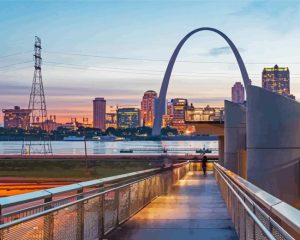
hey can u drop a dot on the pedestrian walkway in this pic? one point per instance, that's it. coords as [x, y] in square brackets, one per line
[193, 210]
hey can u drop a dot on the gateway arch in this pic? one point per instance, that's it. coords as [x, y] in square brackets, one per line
[159, 111]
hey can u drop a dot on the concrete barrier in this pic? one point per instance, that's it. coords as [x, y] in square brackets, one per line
[273, 143]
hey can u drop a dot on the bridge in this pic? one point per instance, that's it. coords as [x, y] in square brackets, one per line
[176, 202]
[250, 194]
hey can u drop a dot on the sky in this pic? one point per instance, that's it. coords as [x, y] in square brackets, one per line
[120, 49]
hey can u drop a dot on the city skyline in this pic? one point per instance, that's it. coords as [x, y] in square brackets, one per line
[135, 58]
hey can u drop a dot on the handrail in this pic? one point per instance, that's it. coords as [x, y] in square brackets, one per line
[54, 209]
[50, 193]
[253, 216]
[282, 211]
[112, 205]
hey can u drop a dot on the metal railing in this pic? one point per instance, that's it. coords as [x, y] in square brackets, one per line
[253, 216]
[87, 210]
[90, 210]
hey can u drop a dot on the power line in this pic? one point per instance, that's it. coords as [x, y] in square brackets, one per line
[14, 69]
[134, 71]
[158, 60]
[14, 64]
[14, 54]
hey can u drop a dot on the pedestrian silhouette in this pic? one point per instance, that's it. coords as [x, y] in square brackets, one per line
[204, 164]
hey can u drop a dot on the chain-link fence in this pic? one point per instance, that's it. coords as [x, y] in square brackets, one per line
[88, 215]
[250, 221]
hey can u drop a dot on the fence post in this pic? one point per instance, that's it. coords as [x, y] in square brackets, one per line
[48, 222]
[80, 218]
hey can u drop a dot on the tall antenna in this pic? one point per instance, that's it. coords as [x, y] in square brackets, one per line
[37, 110]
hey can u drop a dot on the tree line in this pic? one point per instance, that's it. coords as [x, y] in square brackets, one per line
[139, 133]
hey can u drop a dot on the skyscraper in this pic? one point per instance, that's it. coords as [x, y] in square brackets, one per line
[148, 108]
[277, 79]
[128, 117]
[179, 106]
[99, 113]
[238, 93]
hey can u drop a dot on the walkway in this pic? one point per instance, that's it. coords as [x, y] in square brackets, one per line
[193, 210]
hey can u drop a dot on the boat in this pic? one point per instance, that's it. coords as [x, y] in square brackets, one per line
[126, 151]
[111, 138]
[73, 138]
[96, 138]
[203, 150]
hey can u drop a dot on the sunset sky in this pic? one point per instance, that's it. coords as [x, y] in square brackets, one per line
[119, 49]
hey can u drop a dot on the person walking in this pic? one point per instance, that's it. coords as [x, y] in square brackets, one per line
[204, 164]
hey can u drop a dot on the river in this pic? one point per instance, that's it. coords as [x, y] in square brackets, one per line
[113, 148]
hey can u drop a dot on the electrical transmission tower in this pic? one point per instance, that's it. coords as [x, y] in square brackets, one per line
[38, 122]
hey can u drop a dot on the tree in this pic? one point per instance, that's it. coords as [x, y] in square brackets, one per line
[111, 131]
[168, 131]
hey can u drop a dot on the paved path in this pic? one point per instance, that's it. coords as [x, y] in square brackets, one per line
[193, 210]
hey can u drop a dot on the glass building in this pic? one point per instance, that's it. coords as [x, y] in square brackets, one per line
[176, 109]
[277, 79]
[128, 117]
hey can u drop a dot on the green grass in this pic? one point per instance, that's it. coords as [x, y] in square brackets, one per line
[68, 168]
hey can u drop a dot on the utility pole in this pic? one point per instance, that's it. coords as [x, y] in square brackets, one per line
[37, 111]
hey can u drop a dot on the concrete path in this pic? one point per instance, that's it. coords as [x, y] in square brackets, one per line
[193, 210]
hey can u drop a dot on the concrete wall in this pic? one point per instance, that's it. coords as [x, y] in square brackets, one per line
[235, 138]
[273, 143]
[221, 149]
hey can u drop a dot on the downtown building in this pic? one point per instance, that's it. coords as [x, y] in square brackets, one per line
[238, 93]
[16, 118]
[128, 117]
[148, 108]
[277, 79]
[99, 113]
[111, 117]
[176, 111]
[205, 114]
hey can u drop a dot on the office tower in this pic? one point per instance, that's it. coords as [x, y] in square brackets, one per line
[111, 120]
[128, 117]
[148, 108]
[238, 93]
[16, 118]
[277, 79]
[179, 106]
[99, 113]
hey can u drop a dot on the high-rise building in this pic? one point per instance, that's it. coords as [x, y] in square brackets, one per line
[111, 120]
[128, 117]
[16, 118]
[148, 108]
[178, 108]
[238, 93]
[277, 79]
[99, 113]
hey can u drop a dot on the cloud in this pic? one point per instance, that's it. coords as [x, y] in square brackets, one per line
[225, 50]
[220, 51]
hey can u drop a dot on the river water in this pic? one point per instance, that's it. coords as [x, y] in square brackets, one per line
[113, 148]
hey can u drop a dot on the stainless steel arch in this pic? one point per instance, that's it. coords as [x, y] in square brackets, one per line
[164, 87]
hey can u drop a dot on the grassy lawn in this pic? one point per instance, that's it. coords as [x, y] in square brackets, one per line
[68, 168]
